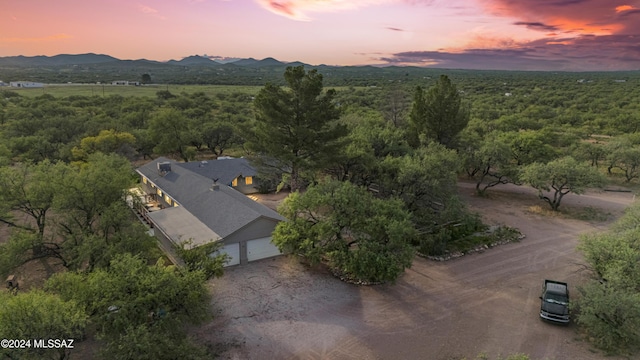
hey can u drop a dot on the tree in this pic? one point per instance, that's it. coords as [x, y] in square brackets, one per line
[627, 159]
[149, 307]
[439, 114]
[145, 78]
[369, 141]
[561, 176]
[424, 179]
[295, 128]
[107, 141]
[37, 315]
[588, 151]
[361, 237]
[199, 258]
[610, 315]
[88, 191]
[609, 308]
[169, 129]
[395, 105]
[529, 146]
[28, 189]
[218, 137]
[492, 162]
[96, 222]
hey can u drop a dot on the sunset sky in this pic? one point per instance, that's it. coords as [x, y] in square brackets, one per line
[573, 35]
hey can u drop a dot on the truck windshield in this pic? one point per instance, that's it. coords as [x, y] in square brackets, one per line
[556, 299]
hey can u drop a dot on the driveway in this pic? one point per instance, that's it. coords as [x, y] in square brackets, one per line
[481, 303]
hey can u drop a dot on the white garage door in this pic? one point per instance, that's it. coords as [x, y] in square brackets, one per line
[261, 248]
[233, 250]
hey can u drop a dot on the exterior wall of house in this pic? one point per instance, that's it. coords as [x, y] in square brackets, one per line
[259, 228]
[245, 185]
[157, 194]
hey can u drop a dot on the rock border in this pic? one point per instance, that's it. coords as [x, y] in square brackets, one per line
[477, 249]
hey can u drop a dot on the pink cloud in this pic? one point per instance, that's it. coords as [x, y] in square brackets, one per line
[150, 11]
[298, 9]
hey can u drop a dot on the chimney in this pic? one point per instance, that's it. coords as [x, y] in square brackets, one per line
[215, 186]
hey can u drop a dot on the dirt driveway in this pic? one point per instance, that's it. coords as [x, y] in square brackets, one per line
[481, 303]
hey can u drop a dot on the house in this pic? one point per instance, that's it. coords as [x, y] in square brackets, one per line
[25, 84]
[183, 203]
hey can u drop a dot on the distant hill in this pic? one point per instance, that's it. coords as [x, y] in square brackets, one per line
[245, 62]
[269, 62]
[94, 59]
[193, 60]
[57, 60]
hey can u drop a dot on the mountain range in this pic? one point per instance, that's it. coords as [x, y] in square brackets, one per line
[95, 59]
[105, 69]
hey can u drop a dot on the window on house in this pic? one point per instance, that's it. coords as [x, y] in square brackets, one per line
[167, 199]
[234, 182]
[159, 192]
[248, 180]
[144, 179]
[175, 204]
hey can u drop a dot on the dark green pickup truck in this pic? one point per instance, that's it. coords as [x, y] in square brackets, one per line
[555, 301]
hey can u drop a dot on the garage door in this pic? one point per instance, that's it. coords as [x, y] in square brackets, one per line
[233, 250]
[261, 248]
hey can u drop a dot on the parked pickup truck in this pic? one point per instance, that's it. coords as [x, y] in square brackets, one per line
[555, 301]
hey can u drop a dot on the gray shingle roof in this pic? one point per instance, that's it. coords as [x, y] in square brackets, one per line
[224, 211]
[225, 170]
[180, 225]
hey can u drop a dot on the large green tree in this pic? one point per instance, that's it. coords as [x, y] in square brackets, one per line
[141, 311]
[92, 225]
[37, 315]
[491, 163]
[439, 113]
[169, 129]
[609, 305]
[360, 236]
[560, 177]
[295, 128]
[26, 188]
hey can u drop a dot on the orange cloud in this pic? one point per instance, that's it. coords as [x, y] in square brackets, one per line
[593, 17]
[486, 41]
[55, 37]
[585, 27]
[622, 8]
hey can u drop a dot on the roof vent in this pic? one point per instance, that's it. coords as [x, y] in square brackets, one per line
[164, 167]
[215, 186]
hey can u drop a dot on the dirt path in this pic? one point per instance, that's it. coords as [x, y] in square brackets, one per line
[480, 303]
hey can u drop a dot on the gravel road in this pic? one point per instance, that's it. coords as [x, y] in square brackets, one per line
[480, 303]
